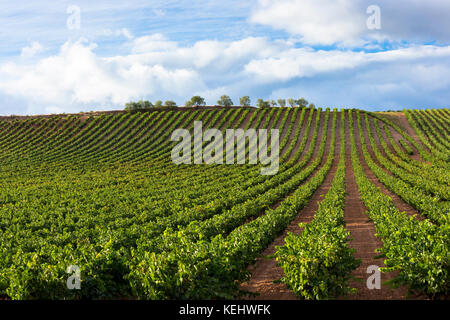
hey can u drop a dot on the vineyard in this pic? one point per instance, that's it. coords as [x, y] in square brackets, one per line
[354, 189]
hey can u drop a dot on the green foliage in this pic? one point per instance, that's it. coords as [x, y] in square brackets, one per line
[201, 263]
[291, 102]
[262, 104]
[195, 101]
[100, 191]
[421, 193]
[140, 105]
[225, 101]
[302, 103]
[282, 102]
[170, 103]
[318, 263]
[406, 146]
[245, 101]
[417, 250]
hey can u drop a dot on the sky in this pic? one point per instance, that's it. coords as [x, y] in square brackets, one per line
[74, 56]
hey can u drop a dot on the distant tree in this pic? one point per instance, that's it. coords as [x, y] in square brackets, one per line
[140, 105]
[282, 102]
[147, 104]
[260, 103]
[245, 101]
[225, 101]
[170, 103]
[312, 105]
[302, 102]
[198, 101]
[158, 104]
[273, 103]
[263, 104]
[292, 102]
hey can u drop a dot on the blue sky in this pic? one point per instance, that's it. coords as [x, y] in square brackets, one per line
[319, 49]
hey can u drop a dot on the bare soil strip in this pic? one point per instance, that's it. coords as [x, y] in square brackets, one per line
[285, 129]
[397, 137]
[227, 125]
[362, 232]
[272, 119]
[247, 119]
[388, 142]
[410, 131]
[265, 271]
[315, 153]
[302, 131]
[399, 202]
[316, 149]
[400, 120]
[291, 136]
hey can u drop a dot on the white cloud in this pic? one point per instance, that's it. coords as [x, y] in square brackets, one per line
[323, 22]
[212, 54]
[76, 78]
[155, 68]
[117, 33]
[159, 12]
[152, 43]
[32, 50]
[344, 22]
[305, 62]
[393, 82]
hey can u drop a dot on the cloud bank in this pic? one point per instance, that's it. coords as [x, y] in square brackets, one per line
[324, 53]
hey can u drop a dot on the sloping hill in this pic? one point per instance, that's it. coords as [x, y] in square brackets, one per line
[101, 192]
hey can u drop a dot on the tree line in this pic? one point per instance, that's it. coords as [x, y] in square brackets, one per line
[224, 101]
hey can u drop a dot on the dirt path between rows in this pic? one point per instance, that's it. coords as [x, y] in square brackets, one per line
[400, 119]
[265, 271]
[285, 132]
[363, 231]
[246, 119]
[302, 131]
[308, 146]
[410, 131]
[294, 129]
[399, 202]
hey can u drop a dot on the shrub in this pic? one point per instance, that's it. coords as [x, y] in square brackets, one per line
[196, 101]
[292, 102]
[263, 104]
[170, 103]
[302, 102]
[140, 105]
[282, 102]
[245, 101]
[225, 101]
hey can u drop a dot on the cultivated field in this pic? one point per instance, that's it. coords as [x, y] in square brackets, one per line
[100, 192]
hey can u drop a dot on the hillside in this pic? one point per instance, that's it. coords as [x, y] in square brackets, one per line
[100, 191]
